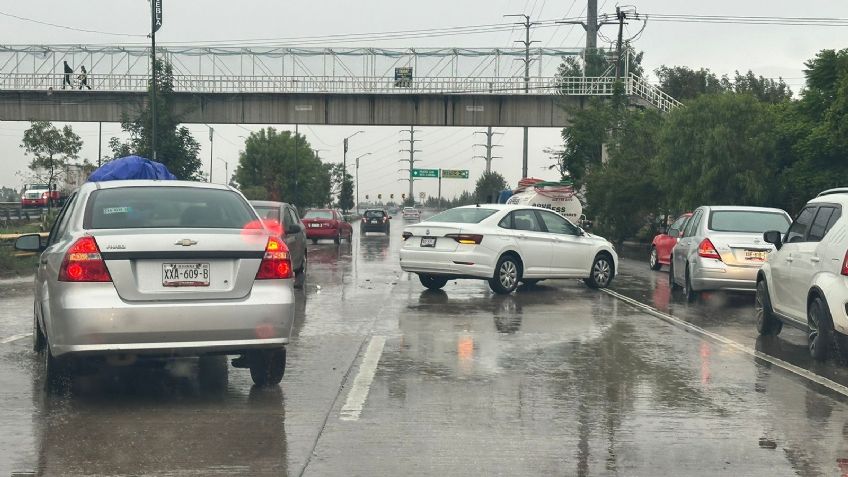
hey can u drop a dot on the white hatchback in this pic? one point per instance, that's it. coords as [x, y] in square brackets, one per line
[505, 244]
[805, 283]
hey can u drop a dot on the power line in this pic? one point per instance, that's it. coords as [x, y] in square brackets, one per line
[746, 20]
[65, 27]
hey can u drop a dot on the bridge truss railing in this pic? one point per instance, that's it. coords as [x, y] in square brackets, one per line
[580, 86]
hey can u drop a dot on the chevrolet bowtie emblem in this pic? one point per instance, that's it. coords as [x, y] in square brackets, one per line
[185, 242]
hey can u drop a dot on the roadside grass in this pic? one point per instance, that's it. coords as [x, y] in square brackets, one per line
[28, 228]
[11, 263]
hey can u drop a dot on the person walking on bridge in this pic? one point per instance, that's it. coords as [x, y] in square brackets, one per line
[68, 72]
[83, 77]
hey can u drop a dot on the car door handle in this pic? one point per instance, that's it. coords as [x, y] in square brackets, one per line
[815, 259]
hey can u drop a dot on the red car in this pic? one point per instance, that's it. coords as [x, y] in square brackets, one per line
[663, 243]
[326, 224]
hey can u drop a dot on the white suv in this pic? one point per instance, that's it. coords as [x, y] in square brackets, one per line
[805, 282]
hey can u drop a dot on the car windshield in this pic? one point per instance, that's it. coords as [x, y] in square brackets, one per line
[164, 207]
[374, 214]
[463, 215]
[267, 212]
[318, 214]
[747, 221]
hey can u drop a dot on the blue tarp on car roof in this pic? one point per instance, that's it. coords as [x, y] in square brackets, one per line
[131, 167]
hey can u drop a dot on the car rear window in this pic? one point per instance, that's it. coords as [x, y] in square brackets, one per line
[166, 207]
[267, 212]
[318, 214]
[463, 215]
[374, 214]
[747, 221]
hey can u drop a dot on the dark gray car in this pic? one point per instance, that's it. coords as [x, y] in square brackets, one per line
[292, 232]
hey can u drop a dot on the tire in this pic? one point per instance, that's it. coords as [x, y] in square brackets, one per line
[654, 259]
[338, 238]
[672, 283]
[821, 331]
[300, 276]
[38, 340]
[767, 323]
[432, 283]
[601, 272]
[388, 231]
[507, 275]
[690, 294]
[267, 367]
[314, 241]
[57, 371]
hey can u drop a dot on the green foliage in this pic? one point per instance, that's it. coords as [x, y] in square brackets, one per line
[266, 169]
[176, 147]
[489, 186]
[7, 194]
[51, 148]
[684, 84]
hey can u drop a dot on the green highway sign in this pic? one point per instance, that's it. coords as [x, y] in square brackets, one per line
[434, 173]
[454, 173]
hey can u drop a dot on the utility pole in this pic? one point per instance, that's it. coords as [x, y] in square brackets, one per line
[294, 196]
[591, 26]
[488, 157]
[99, 143]
[357, 180]
[527, 24]
[211, 144]
[344, 162]
[620, 15]
[155, 23]
[411, 159]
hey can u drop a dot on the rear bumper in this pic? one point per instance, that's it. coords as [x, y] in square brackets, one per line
[719, 276]
[471, 264]
[321, 233]
[92, 319]
[374, 227]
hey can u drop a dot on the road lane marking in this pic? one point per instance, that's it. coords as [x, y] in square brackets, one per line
[362, 383]
[15, 338]
[832, 385]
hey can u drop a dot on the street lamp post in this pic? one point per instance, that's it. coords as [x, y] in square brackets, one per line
[344, 158]
[357, 180]
[226, 170]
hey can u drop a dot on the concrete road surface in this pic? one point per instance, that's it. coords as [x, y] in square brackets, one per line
[385, 378]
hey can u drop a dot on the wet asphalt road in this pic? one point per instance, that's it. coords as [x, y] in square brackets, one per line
[385, 378]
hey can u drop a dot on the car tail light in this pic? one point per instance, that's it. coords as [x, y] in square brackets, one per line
[83, 263]
[407, 235]
[44, 195]
[845, 264]
[467, 239]
[706, 249]
[276, 263]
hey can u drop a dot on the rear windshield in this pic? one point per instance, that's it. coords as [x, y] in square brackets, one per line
[267, 212]
[374, 214]
[164, 207]
[463, 215]
[747, 221]
[318, 214]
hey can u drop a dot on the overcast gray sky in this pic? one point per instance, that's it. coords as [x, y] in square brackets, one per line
[767, 50]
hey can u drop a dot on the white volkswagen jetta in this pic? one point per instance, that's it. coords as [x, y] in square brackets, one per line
[505, 244]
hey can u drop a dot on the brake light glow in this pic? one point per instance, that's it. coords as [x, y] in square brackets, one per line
[706, 249]
[467, 239]
[276, 263]
[845, 264]
[83, 263]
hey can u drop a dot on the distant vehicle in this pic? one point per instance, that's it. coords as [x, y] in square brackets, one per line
[664, 242]
[39, 195]
[805, 282]
[282, 218]
[722, 247]
[411, 213]
[506, 245]
[144, 268]
[327, 224]
[393, 210]
[375, 220]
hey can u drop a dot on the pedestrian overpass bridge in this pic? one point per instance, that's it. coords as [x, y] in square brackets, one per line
[321, 86]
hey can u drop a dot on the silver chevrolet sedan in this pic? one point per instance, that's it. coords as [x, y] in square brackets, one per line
[161, 269]
[722, 248]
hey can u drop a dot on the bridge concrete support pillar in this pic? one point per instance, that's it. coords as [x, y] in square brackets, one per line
[526, 148]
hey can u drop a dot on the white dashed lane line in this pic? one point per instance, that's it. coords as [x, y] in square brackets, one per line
[362, 383]
[832, 385]
[12, 338]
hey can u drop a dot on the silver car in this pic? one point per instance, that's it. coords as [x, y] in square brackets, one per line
[283, 219]
[722, 247]
[159, 269]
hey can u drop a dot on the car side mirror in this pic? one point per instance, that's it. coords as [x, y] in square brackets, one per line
[29, 243]
[662, 230]
[773, 237]
[293, 229]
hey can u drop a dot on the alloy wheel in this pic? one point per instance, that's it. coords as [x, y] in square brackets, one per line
[601, 272]
[508, 274]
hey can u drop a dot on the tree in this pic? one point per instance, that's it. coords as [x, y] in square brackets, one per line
[51, 149]
[683, 83]
[342, 186]
[266, 169]
[489, 186]
[176, 147]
